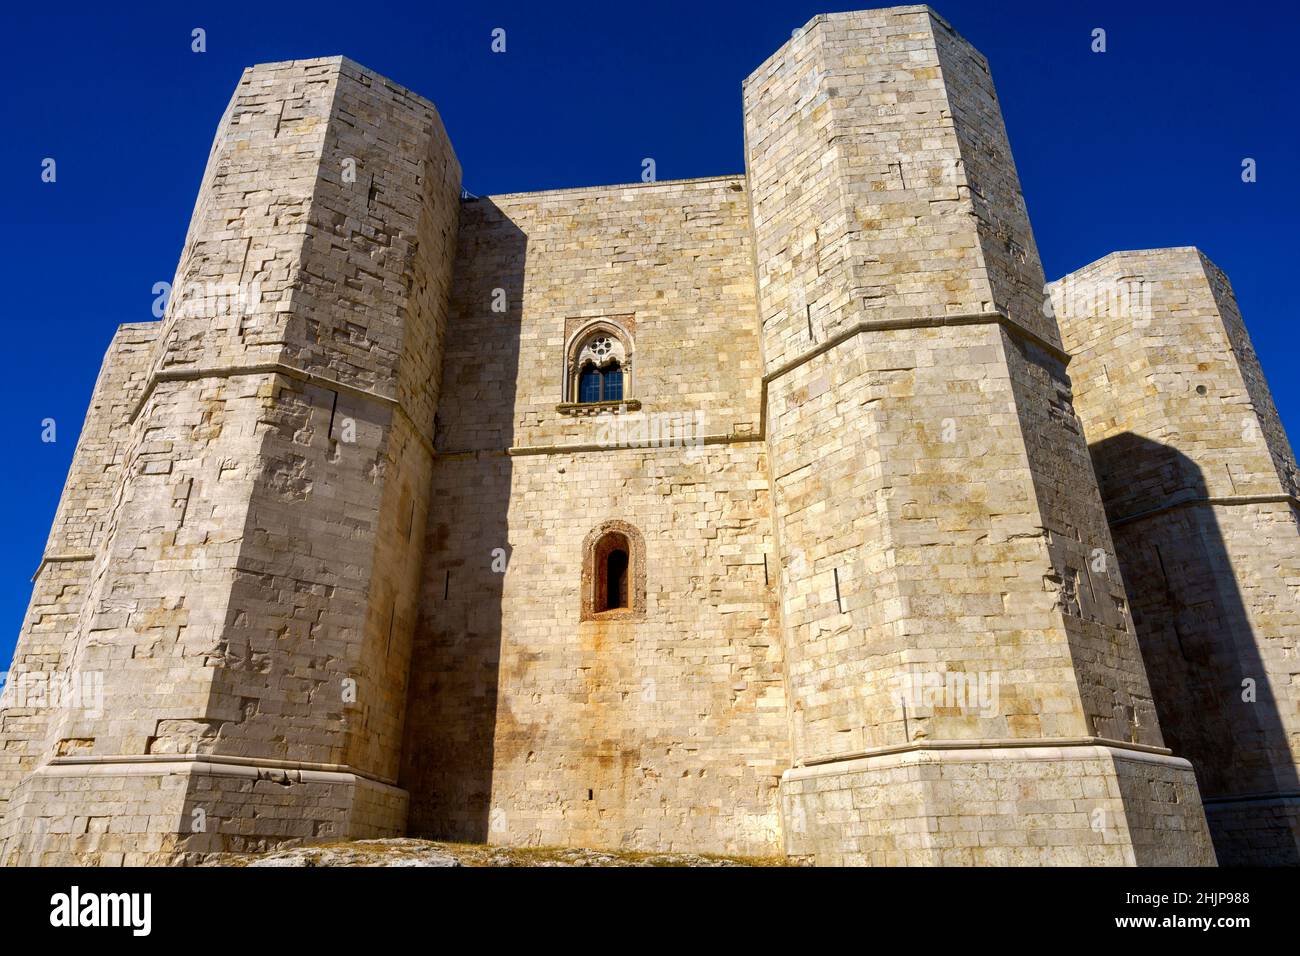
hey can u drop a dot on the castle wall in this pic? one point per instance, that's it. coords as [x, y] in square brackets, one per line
[671, 262]
[251, 604]
[934, 508]
[1200, 486]
[330, 544]
[528, 725]
[39, 670]
[969, 808]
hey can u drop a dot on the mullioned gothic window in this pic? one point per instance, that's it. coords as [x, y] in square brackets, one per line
[599, 366]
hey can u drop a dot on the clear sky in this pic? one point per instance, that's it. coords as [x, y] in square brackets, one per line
[1137, 147]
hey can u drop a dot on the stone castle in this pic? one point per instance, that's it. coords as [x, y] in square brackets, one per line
[754, 514]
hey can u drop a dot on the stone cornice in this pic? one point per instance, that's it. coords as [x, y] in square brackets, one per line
[57, 558]
[148, 763]
[1227, 500]
[1007, 743]
[859, 328]
[919, 322]
[276, 368]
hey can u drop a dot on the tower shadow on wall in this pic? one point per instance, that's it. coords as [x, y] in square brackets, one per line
[452, 700]
[1199, 646]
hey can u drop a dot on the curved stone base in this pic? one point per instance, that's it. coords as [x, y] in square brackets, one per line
[1079, 805]
[138, 812]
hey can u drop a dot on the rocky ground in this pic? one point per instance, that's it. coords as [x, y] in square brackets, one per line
[404, 852]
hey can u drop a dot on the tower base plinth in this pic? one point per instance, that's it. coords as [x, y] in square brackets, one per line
[124, 812]
[1076, 805]
[1255, 831]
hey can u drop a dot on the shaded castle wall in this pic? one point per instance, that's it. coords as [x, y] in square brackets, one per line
[934, 506]
[251, 601]
[527, 724]
[1200, 486]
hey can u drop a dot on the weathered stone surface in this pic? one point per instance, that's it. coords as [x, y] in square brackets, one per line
[932, 494]
[1200, 484]
[527, 724]
[80, 525]
[646, 517]
[252, 594]
[402, 853]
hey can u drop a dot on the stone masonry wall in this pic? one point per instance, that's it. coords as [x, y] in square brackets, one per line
[1046, 806]
[254, 596]
[1199, 482]
[671, 261]
[527, 724]
[1085, 580]
[944, 444]
[935, 510]
[60, 584]
[329, 539]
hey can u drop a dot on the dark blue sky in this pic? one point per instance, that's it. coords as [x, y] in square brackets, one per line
[1138, 147]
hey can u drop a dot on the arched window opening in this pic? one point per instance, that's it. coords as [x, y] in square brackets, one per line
[613, 572]
[611, 567]
[616, 580]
